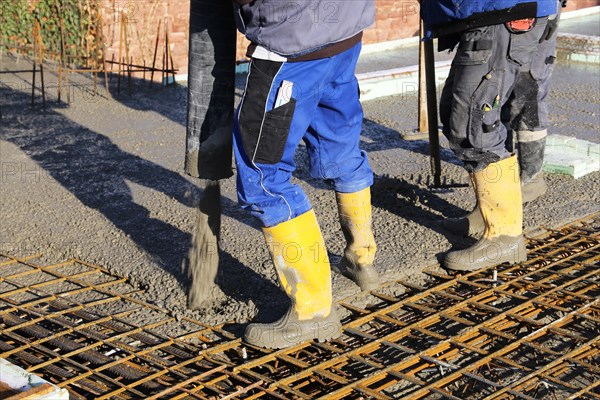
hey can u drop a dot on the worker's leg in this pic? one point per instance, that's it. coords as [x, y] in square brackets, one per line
[528, 113]
[266, 137]
[472, 97]
[483, 73]
[332, 142]
[469, 111]
[265, 140]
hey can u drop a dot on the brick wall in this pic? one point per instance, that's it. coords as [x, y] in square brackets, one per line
[395, 19]
[145, 18]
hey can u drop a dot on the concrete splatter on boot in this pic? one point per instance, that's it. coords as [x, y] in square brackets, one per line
[300, 258]
[499, 198]
[531, 161]
[354, 210]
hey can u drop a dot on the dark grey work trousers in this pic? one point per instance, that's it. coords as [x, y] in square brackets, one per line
[498, 79]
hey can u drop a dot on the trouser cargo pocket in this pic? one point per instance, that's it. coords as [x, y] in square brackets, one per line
[484, 115]
[268, 146]
[543, 60]
[264, 133]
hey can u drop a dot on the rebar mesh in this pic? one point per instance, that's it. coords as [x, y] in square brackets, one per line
[528, 331]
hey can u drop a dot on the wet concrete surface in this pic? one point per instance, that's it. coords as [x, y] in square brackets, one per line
[102, 180]
[575, 101]
[586, 25]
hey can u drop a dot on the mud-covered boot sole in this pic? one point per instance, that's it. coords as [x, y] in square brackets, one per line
[289, 331]
[488, 252]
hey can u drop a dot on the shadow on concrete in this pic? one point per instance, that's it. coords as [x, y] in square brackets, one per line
[96, 171]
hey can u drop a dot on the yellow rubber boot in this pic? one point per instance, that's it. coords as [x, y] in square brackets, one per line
[531, 159]
[498, 189]
[354, 210]
[469, 225]
[302, 264]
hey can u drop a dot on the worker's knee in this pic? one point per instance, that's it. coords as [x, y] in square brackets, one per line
[267, 192]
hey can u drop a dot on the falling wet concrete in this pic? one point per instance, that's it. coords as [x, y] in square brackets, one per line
[203, 257]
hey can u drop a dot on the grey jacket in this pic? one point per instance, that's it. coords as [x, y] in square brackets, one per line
[293, 28]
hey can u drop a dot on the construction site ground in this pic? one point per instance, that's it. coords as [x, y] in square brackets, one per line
[101, 180]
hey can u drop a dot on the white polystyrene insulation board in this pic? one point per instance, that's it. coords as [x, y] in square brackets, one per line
[571, 156]
[19, 379]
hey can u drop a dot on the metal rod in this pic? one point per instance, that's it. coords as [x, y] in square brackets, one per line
[164, 58]
[432, 114]
[127, 57]
[423, 126]
[155, 53]
[34, 66]
[142, 67]
[129, 75]
[100, 39]
[169, 54]
[119, 57]
[42, 80]
[63, 55]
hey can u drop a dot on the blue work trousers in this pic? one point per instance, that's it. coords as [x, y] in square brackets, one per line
[284, 103]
